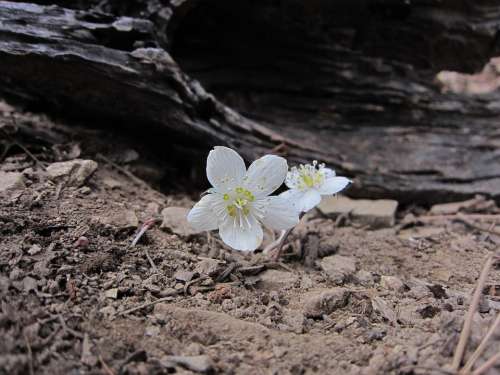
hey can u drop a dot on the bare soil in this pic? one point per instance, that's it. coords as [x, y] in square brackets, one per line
[64, 300]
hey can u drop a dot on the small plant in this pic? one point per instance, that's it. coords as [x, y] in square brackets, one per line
[239, 202]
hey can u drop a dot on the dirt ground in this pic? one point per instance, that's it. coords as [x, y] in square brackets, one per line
[344, 299]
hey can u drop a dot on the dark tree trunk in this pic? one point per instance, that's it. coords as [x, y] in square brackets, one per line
[350, 83]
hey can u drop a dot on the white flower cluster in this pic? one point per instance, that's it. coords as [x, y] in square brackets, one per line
[239, 202]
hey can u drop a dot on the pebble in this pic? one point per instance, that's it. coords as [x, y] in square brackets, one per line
[197, 363]
[392, 283]
[111, 293]
[184, 276]
[35, 249]
[208, 267]
[122, 219]
[11, 181]
[29, 284]
[326, 302]
[379, 213]
[364, 278]
[339, 268]
[73, 172]
[273, 279]
[175, 220]
[111, 183]
[294, 320]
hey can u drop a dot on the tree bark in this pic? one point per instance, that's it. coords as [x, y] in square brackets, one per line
[348, 83]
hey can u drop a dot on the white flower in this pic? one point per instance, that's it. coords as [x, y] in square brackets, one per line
[239, 202]
[308, 183]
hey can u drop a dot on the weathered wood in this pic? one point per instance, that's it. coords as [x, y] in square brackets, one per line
[351, 85]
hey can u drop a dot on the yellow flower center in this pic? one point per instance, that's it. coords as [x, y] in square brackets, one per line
[240, 200]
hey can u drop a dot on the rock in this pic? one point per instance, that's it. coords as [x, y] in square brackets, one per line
[208, 267]
[122, 219]
[152, 331]
[294, 320]
[73, 172]
[273, 279]
[5, 108]
[420, 232]
[477, 204]
[184, 276]
[175, 220]
[111, 293]
[364, 278]
[392, 283]
[326, 302]
[382, 308]
[35, 249]
[198, 363]
[338, 268]
[375, 213]
[11, 181]
[438, 291]
[108, 311]
[111, 183]
[29, 284]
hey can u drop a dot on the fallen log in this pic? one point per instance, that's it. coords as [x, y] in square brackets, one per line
[349, 85]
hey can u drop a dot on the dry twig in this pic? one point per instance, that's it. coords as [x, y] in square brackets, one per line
[30, 354]
[464, 335]
[468, 366]
[487, 365]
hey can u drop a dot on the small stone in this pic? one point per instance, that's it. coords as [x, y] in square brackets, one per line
[429, 311]
[85, 190]
[175, 220]
[274, 279]
[294, 320]
[123, 219]
[152, 331]
[364, 278]
[29, 284]
[108, 311]
[374, 213]
[438, 291]
[326, 302]
[111, 293]
[111, 183]
[198, 363]
[184, 276]
[338, 268]
[382, 308]
[6, 108]
[392, 283]
[11, 181]
[74, 172]
[81, 243]
[35, 249]
[484, 305]
[476, 204]
[208, 267]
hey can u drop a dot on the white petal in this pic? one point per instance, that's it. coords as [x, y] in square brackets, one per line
[279, 213]
[328, 172]
[265, 175]
[309, 200]
[225, 168]
[333, 185]
[243, 238]
[293, 196]
[202, 217]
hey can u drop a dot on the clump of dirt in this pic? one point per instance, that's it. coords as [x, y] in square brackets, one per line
[77, 297]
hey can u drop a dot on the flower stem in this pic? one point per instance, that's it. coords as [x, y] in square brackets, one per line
[280, 242]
